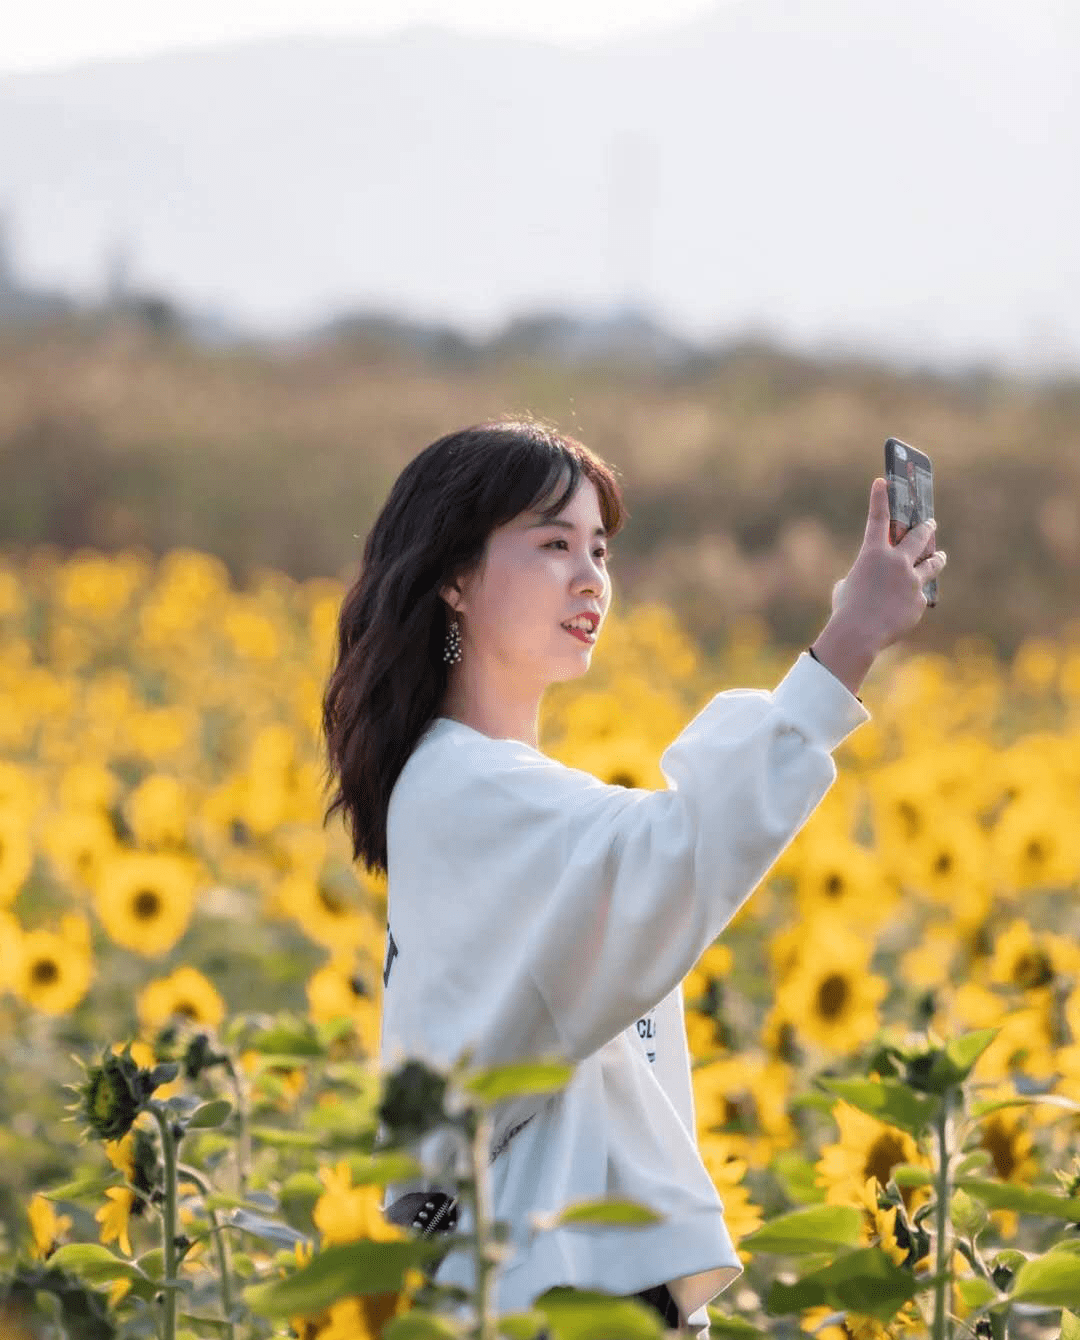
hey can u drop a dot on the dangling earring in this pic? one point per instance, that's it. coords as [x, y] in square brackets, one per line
[453, 643]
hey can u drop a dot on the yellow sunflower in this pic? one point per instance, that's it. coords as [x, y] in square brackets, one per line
[16, 855]
[831, 997]
[1005, 1136]
[11, 933]
[727, 1092]
[145, 900]
[1029, 844]
[54, 969]
[727, 1170]
[77, 843]
[88, 785]
[113, 1217]
[185, 992]
[1028, 959]
[47, 1227]
[624, 759]
[840, 876]
[344, 1213]
[866, 1148]
[157, 811]
[324, 913]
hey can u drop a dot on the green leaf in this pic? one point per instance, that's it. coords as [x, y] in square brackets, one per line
[517, 1079]
[88, 1185]
[962, 1052]
[734, 1328]
[978, 1158]
[817, 1229]
[582, 1314]
[888, 1100]
[343, 1268]
[910, 1174]
[269, 1230]
[287, 1139]
[796, 1175]
[416, 1324]
[210, 1114]
[1052, 1280]
[984, 1107]
[966, 1214]
[152, 1263]
[381, 1169]
[1025, 1200]
[289, 1036]
[521, 1325]
[228, 1200]
[1070, 1326]
[865, 1281]
[211, 1325]
[298, 1194]
[329, 1031]
[93, 1262]
[585, 1213]
[976, 1292]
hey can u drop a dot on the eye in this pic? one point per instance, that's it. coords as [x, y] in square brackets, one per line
[601, 553]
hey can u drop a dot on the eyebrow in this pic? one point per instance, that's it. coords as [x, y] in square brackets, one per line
[566, 525]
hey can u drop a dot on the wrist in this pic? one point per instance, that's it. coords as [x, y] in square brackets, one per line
[846, 652]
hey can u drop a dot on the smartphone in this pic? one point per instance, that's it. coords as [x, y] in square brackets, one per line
[910, 478]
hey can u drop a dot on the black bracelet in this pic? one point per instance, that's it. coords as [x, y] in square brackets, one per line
[817, 658]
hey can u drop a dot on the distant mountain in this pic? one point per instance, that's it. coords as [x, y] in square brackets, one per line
[835, 173]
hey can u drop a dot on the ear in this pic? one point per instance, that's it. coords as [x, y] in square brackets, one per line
[451, 594]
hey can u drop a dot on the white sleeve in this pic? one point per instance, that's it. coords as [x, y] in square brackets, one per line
[606, 895]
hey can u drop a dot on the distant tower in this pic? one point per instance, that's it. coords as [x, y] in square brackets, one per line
[633, 196]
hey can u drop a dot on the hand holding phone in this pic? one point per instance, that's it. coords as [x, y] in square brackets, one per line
[910, 477]
[877, 603]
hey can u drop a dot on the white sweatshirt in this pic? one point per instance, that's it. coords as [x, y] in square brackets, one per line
[536, 911]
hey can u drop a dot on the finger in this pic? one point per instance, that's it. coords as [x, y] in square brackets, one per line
[931, 565]
[916, 543]
[877, 522]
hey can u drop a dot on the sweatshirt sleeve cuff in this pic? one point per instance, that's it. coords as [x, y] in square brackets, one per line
[818, 703]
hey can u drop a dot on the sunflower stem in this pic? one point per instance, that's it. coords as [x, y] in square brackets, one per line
[942, 1300]
[243, 1141]
[480, 1146]
[224, 1267]
[168, 1155]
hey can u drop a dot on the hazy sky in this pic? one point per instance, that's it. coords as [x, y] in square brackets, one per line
[50, 33]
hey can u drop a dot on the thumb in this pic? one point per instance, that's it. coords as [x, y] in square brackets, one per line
[877, 523]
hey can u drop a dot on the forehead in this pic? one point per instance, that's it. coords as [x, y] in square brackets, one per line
[581, 512]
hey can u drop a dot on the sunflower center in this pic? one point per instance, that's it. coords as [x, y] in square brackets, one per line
[187, 1009]
[910, 816]
[883, 1156]
[834, 885]
[334, 905]
[944, 863]
[1032, 968]
[999, 1146]
[1035, 851]
[832, 995]
[146, 904]
[44, 972]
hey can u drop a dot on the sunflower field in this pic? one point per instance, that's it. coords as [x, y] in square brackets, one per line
[886, 1038]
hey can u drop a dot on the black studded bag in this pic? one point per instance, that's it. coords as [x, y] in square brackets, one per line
[437, 1211]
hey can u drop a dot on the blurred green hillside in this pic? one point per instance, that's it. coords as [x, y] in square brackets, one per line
[746, 474]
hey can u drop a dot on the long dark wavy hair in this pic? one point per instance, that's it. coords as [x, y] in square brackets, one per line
[390, 678]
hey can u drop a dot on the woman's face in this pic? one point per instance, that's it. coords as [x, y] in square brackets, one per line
[534, 576]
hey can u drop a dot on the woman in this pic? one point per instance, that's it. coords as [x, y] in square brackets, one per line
[534, 910]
